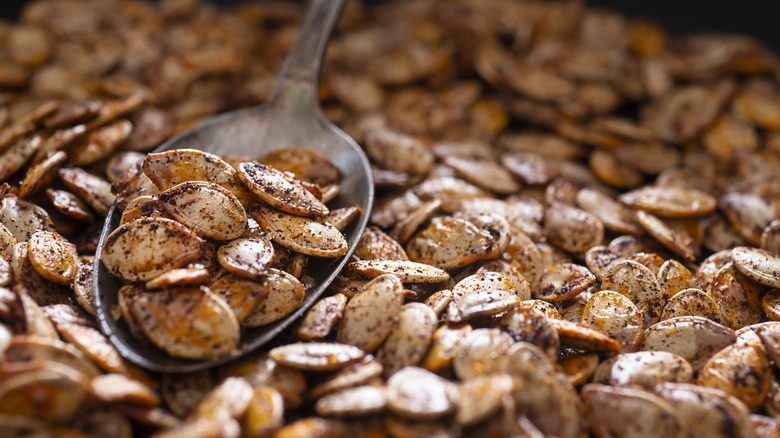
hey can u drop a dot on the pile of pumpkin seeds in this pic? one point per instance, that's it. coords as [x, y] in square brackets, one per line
[577, 228]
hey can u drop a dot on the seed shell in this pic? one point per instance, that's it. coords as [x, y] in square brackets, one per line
[147, 247]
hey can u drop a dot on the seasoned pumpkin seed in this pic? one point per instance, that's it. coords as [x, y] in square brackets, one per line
[409, 338]
[52, 256]
[416, 393]
[694, 338]
[359, 400]
[248, 256]
[147, 247]
[273, 187]
[449, 243]
[369, 316]
[190, 322]
[301, 234]
[616, 316]
[285, 294]
[206, 208]
[758, 264]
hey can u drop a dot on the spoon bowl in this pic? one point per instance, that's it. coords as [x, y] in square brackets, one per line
[291, 117]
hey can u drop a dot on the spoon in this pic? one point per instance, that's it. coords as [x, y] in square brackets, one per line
[291, 117]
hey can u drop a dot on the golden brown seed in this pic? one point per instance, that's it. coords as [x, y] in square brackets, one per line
[481, 351]
[117, 388]
[485, 174]
[674, 277]
[580, 368]
[450, 190]
[616, 316]
[770, 302]
[598, 259]
[227, 400]
[758, 264]
[322, 318]
[628, 411]
[541, 392]
[17, 155]
[360, 373]
[285, 294]
[404, 229]
[522, 289]
[531, 168]
[169, 168]
[41, 175]
[639, 285]
[449, 243]
[670, 201]
[691, 302]
[374, 244]
[770, 237]
[179, 277]
[342, 217]
[94, 190]
[101, 143]
[206, 208]
[444, 346]
[274, 187]
[578, 336]
[317, 356]
[70, 205]
[190, 322]
[264, 415]
[147, 247]
[531, 325]
[52, 256]
[409, 338]
[738, 297]
[242, 295]
[395, 151]
[368, 317]
[608, 169]
[22, 219]
[29, 348]
[416, 393]
[649, 368]
[692, 337]
[749, 213]
[306, 164]
[6, 273]
[742, 371]
[572, 229]
[64, 387]
[523, 254]
[182, 391]
[248, 256]
[301, 234]
[356, 401]
[406, 271]
[710, 266]
[564, 282]
[708, 411]
[612, 214]
[95, 345]
[681, 243]
[480, 397]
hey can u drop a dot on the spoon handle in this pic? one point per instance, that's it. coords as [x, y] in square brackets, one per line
[301, 69]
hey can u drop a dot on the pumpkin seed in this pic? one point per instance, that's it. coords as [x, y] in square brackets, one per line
[147, 247]
[301, 234]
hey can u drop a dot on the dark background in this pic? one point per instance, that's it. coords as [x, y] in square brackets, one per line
[759, 18]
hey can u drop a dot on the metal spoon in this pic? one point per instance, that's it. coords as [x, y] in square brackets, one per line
[291, 117]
